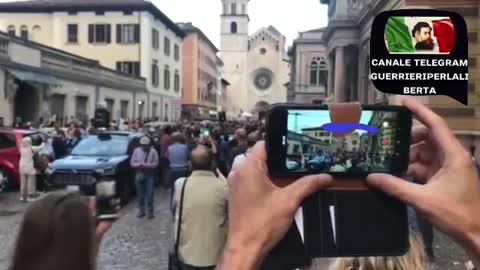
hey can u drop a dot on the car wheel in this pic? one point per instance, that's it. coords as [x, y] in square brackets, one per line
[5, 180]
[126, 193]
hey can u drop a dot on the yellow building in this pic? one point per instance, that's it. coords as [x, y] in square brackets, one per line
[110, 31]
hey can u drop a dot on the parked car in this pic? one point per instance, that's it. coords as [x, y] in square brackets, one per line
[293, 165]
[108, 152]
[10, 143]
[318, 162]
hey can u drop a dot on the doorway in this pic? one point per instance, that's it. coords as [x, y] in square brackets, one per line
[26, 103]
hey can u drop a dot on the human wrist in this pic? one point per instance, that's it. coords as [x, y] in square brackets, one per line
[241, 254]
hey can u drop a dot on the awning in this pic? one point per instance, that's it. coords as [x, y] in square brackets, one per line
[34, 77]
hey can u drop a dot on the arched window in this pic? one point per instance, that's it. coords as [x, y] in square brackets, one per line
[36, 32]
[24, 32]
[11, 30]
[233, 28]
[318, 71]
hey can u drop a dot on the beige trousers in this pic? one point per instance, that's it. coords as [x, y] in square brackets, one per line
[28, 185]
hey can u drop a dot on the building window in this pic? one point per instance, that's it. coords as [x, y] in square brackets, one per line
[128, 33]
[155, 74]
[176, 52]
[166, 48]
[36, 32]
[72, 33]
[129, 67]
[155, 39]
[166, 78]
[154, 109]
[81, 108]
[24, 32]
[72, 13]
[244, 9]
[99, 33]
[318, 71]
[263, 51]
[124, 109]
[100, 12]
[234, 9]
[176, 82]
[472, 62]
[472, 37]
[233, 28]
[166, 112]
[110, 105]
[225, 9]
[128, 12]
[11, 30]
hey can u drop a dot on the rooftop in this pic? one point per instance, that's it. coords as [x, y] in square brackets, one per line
[188, 27]
[49, 6]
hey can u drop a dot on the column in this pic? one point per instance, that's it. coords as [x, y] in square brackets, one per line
[339, 84]
[331, 74]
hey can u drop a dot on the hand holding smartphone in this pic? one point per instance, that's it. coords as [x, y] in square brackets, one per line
[349, 142]
[106, 201]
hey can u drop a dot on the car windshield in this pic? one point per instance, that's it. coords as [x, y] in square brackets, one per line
[93, 146]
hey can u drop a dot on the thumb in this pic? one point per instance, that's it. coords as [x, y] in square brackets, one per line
[401, 189]
[308, 185]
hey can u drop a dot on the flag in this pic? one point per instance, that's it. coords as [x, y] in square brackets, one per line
[444, 31]
[399, 37]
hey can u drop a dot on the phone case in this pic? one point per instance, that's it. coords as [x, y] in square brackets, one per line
[355, 223]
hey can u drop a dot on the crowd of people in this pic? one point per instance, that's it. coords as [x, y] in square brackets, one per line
[229, 215]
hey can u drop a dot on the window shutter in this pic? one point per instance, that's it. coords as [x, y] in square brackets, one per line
[109, 33]
[136, 68]
[91, 32]
[119, 33]
[137, 33]
[119, 66]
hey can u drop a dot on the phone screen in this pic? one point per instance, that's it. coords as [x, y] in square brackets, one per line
[206, 132]
[106, 201]
[310, 143]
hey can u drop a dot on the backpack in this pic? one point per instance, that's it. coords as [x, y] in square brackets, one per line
[40, 161]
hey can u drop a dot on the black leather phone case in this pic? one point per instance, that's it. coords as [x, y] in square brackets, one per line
[366, 223]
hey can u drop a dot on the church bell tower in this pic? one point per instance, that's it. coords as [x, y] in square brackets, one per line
[234, 50]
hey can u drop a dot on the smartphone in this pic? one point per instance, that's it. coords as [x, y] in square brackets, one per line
[106, 200]
[205, 132]
[301, 140]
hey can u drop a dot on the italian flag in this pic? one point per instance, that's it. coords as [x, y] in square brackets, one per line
[445, 33]
[399, 37]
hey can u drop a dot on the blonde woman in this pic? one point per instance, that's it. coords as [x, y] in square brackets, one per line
[28, 184]
[415, 259]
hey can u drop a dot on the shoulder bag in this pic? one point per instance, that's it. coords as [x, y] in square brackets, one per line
[173, 260]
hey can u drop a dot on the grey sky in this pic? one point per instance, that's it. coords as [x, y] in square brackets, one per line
[310, 119]
[288, 16]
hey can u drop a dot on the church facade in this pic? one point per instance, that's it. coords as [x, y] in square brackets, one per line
[255, 65]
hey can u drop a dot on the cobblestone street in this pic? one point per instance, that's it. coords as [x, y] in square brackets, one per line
[141, 244]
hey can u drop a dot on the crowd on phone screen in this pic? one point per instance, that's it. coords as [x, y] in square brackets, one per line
[194, 167]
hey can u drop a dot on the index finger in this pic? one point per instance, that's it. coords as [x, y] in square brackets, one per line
[441, 134]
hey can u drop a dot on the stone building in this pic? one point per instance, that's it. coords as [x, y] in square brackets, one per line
[255, 65]
[347, 42]
[38, 81]
[308, 68]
